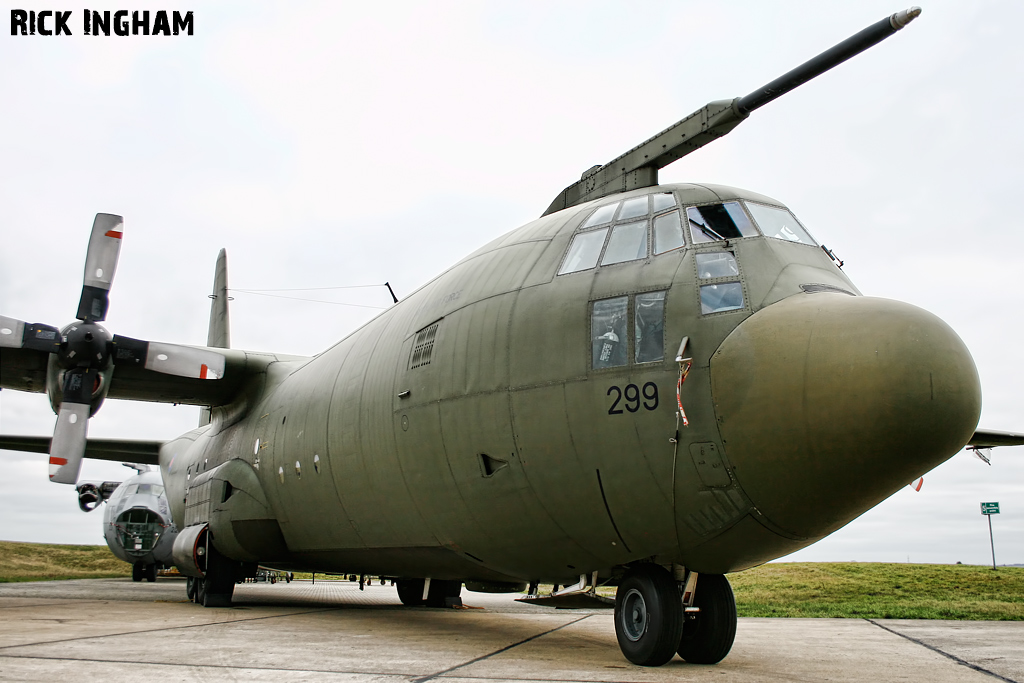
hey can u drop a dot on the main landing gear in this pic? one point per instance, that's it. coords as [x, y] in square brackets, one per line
[652, 623]
[438, 594]
[141, 571]
[217, 586]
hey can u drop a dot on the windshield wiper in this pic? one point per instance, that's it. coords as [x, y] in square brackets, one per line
[706, 230]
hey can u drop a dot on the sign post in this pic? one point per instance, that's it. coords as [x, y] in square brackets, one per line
[989, 509]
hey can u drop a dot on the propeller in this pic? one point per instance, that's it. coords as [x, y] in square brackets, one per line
[84, 353]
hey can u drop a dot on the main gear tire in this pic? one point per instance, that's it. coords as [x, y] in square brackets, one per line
[444, 593]
[648, 615]
[708, 635]
[410, 591]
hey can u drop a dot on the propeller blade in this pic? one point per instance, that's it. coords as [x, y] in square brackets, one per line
[68, 445]
[100, 263]
[169, 359]
[15, 334]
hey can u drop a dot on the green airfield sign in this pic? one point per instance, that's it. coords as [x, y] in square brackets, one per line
[990, 508]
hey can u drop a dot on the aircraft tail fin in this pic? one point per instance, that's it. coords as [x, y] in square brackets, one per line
[219, 334]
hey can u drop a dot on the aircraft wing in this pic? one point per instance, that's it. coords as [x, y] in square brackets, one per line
[985, 438]
[118, 450]
[24, 369]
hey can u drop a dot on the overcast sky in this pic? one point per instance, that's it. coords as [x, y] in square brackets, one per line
[327, 144]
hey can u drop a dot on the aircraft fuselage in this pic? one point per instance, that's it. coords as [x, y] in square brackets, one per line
[516, 418]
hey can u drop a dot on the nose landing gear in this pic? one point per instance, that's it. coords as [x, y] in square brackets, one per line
[709, 633]
[651, 624]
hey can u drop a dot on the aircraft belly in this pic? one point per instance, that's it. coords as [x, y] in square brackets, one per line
[407, 561]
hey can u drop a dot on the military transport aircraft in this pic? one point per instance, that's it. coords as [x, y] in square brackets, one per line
[648, 387]
[137, 523]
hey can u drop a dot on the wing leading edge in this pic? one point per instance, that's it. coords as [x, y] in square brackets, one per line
[986, 438]
[117, 450]
[23, 369]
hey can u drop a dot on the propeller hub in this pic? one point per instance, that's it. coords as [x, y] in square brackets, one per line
[85, 345]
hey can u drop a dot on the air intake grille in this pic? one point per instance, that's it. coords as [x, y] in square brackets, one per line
[423, 346]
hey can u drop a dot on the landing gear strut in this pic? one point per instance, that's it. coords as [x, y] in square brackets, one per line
[652, 626]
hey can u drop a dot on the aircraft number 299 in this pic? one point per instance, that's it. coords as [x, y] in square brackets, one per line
[632, 395]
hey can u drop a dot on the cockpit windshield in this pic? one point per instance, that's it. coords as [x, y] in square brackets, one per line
[719, 222]
[780, 224]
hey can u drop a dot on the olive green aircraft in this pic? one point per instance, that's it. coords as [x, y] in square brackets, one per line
[647, 387]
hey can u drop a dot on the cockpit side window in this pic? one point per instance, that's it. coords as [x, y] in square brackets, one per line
[668, 233]
[716, 264]
[662, 201]
[722, 296]
[649, 327]
[631, 208]
[603, 215]
[720, 289]
[719, 222]
[583, 251]
[610, 323]
[780, 224]
[608, 332]
[628, 243]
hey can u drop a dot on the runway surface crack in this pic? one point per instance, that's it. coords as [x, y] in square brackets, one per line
[432, 676]
[958, 660]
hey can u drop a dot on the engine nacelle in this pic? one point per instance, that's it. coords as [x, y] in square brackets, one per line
[90, 495]
[190, 550]
[55, 385]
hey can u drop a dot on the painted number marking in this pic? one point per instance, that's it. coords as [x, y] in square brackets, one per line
[632, 395]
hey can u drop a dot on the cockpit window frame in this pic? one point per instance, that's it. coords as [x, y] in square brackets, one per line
[610, 225]
[726, 279]
[626, 335]
[689, 230]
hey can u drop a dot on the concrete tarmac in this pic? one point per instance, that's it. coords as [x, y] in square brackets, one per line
[116, 630]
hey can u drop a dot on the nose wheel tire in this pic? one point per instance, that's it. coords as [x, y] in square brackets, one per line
[648, 615]
[138, 569]
[150, 573]
[190, 588]
[708, 635]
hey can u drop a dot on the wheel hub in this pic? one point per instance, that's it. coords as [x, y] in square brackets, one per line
[634, 615]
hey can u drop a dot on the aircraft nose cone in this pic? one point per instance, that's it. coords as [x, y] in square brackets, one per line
[828, 404]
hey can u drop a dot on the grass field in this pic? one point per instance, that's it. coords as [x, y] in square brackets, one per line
[880, 591]
[810, 589]
[42, 562]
